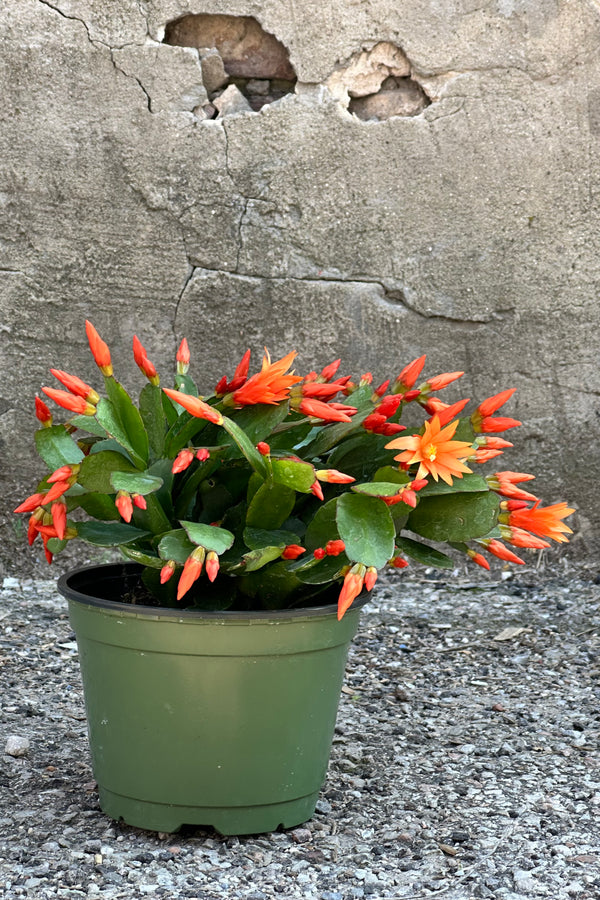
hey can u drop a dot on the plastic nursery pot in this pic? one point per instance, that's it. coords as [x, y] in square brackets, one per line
[221, 719]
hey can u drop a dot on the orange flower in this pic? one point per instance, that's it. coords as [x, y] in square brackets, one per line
[271, 385]
[70, 401]
[240, 377]
[543, 521]
[435, 451]
[195, 406]
[351, 588]
[446, 413]
[76, 386]
[99, 349]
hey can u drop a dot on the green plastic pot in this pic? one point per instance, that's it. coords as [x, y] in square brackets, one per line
[221, 719]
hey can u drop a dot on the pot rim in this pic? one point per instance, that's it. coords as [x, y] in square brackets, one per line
[78, 596]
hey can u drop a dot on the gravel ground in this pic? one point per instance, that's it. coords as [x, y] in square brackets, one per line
[465, 762]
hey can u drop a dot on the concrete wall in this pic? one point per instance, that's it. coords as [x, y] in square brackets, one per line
[467, 229]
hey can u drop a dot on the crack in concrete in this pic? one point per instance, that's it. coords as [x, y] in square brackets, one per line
[133, 78]
[93, 42]
[391, 297]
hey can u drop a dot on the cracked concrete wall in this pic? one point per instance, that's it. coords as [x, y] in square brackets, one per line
[468, 232]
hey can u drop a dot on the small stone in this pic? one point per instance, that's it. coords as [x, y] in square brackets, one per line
[214, 75]
[323, 806]
[407, 100]
[231, 102]
[17, 746]
[301, 835]
[258, 86]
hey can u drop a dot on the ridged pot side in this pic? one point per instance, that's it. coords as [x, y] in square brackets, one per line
[220, 719]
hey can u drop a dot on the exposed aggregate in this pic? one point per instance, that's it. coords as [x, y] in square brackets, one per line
[465, 762]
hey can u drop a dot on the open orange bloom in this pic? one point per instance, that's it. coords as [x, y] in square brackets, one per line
[544, 521]
[435, 451]
[271, 385]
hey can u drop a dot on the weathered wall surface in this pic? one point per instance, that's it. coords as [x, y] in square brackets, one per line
[468, 230]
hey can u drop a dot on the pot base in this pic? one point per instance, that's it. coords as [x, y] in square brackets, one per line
[226, 820]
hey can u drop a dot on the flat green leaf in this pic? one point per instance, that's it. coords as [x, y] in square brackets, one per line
[378, 488]
[99, 506]
[256, 559]
[455, 517]
[466, 484]
[391, 474]
[257, 538]
[144, 559]
[89, 424]
[211, 537]
[109, 534]
[108, 417]
[97, 469]
[135, 482]
[129, 418]
[327, 569]
[246, 446]
[366, 527]
[294, 474]
[153, 417]
[270, 506]
[322, 527]
[176, 545]
[258, 421]
[56, 447]
[427, 556]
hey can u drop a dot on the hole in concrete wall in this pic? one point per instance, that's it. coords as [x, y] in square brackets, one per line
[379, 83]
[243, 66]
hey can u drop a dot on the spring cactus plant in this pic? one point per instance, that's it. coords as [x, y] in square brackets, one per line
[277, 488]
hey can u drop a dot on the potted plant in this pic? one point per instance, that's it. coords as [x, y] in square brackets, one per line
[253, 521]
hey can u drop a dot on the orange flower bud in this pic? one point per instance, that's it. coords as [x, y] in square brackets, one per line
[167, 571]
[183, 459]
[71, 402]
[99, 349]
[76, 386]
[42, 413]
[292, 551]
[195, 406]
[183, 358]
[212, 565]
[124, 504]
